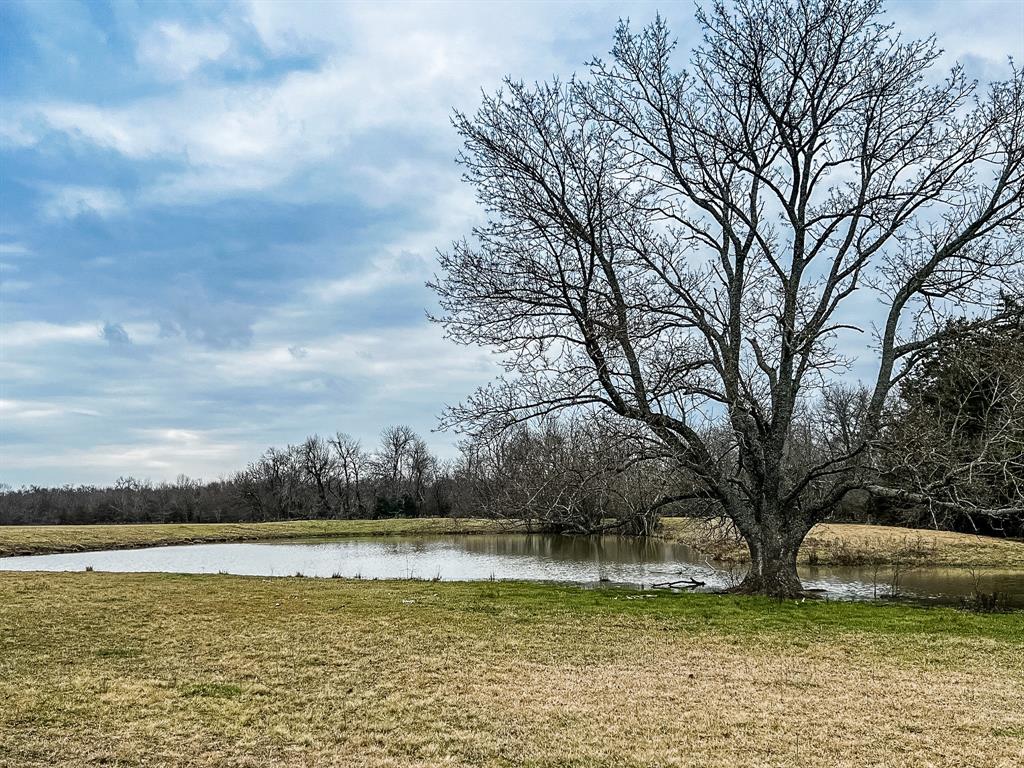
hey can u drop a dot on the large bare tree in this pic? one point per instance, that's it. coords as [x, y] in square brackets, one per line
[699, 251]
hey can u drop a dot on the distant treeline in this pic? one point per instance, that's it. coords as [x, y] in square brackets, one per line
[319, 478]
[580, 474]
[562, 475]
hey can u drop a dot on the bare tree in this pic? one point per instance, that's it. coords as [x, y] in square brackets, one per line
[392, 457]
[273, 484]
[422, 466]
[351, 462]
[402, 468]
[318, 465]
[576, 474]
[688, 249]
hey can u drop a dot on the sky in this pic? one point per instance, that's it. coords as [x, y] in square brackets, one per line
[216, 219]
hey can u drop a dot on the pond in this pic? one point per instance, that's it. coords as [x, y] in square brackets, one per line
[571, 559]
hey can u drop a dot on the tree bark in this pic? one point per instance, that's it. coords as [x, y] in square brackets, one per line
[772, 562]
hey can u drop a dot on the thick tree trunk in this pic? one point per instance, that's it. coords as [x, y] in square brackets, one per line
[772, 563]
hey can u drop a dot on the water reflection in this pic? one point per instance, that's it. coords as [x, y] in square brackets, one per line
[585, 560]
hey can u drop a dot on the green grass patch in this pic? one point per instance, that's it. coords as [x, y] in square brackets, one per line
[118, 653]
[212, 690]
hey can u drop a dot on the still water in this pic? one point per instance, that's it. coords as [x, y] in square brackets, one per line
[574, 559]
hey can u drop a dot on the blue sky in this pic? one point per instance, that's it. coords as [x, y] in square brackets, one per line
[216, 219]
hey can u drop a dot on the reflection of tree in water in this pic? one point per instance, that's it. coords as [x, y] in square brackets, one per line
[583, 549]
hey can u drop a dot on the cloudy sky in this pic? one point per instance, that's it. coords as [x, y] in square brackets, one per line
[216, 219]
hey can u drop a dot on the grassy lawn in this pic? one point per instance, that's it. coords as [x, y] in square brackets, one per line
[828, 544]
[133, 669]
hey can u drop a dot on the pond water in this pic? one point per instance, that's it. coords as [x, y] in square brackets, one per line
[573, 559]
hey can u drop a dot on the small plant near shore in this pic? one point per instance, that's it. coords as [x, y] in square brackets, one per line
[876, 567]
[982, 600]
[895, 584]
[987, 602]
[734, 574]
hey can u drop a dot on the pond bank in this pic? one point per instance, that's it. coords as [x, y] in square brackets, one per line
[52, 539]
[850, 544]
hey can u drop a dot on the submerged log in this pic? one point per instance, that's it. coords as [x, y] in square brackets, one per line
[679, 584]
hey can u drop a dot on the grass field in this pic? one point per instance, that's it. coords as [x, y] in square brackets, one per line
[42, 539]
[849, 544]
[168, 670]
[828, 544]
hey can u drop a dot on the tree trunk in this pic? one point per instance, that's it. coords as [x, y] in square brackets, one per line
[772, 563]
[321, 493]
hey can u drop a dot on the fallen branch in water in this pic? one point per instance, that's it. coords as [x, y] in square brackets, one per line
[685, 584]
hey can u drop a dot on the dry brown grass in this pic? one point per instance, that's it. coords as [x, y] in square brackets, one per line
[152, 670]
[850, 544]
[42, 539]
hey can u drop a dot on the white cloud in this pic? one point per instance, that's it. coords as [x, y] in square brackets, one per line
[18, 130]
[142, 333]
[381, 71]
[33, 410]
[134, 131]
[387, 74]
[387, 361]
[14, 249]
[978, 33]
[385, 272]
[73, 201]
[383, 68]
[174, 52]
[297, 27]
[33, 334]
[9, 286]
[165, 452]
